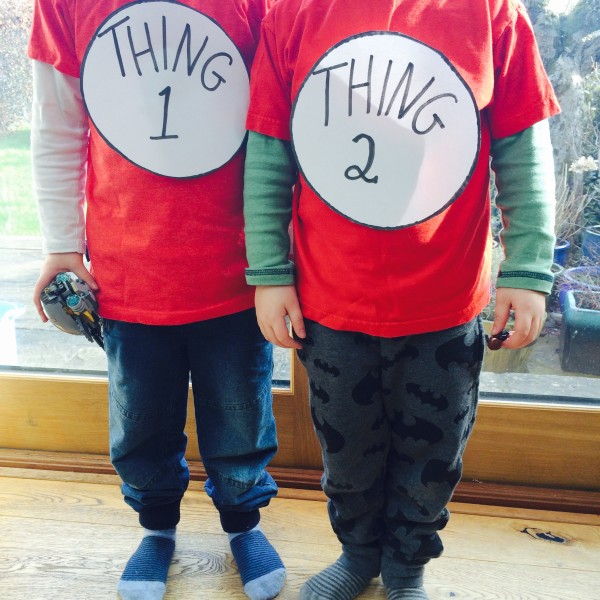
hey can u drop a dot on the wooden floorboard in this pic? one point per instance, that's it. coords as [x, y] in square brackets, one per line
[69, 540]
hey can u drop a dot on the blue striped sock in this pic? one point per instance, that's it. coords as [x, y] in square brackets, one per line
[145, 575]
[333, 583]
[260, 567]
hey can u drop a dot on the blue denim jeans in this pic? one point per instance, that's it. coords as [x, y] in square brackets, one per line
[149, 371]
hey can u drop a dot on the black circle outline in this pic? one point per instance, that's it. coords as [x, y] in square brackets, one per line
[460, 189]
[112, 146]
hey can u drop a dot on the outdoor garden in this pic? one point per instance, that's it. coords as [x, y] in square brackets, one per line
[570, 48]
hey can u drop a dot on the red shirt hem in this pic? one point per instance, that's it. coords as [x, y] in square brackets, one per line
[152, 317]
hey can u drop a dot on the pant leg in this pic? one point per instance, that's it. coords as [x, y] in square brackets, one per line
[232, 366]
[346, 404]
[431, 401]
[148, 376]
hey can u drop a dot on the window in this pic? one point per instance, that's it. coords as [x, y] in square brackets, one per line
[565, 361]
[539, 420]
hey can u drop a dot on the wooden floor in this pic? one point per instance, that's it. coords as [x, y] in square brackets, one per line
[69, 540]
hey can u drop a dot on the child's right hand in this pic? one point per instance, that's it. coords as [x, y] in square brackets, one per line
[55, 264]
[273, 303]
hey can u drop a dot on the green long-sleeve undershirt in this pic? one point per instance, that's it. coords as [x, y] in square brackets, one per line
[269, 176]
[524, 171]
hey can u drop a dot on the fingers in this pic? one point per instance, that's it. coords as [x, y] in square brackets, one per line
[526, 331]
[53, 265]
[277, 333]
[37, 290]
[46, 276]
[273, 304]
[86, 277]
[529, 309]
[501, 317]
[282, 337]
[296, 320]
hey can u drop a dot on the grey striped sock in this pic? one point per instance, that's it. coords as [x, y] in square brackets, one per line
[333, 583]
[407, 594]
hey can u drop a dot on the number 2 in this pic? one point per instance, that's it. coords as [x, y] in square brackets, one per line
[355, 172]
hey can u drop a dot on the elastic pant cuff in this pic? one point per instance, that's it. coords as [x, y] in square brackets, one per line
[162, 516]
[361, 560]
[238, 522]
[409, 577]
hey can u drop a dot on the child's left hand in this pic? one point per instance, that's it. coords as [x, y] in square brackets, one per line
[273, 303]
[528, 307]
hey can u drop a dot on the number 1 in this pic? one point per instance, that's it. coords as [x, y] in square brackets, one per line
[167, 94]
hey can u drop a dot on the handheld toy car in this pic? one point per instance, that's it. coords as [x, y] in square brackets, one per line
[71, 306]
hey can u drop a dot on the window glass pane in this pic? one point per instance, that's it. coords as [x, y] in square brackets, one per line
[282, 368]
[565, 360]
[25, 342]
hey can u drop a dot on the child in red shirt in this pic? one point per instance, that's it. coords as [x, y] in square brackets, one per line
[393, 111]
[139, 111]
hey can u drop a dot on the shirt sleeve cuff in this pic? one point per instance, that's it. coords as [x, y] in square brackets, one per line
[271, 275]
[537, 282]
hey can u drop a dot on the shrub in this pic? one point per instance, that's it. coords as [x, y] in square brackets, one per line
[15, 77]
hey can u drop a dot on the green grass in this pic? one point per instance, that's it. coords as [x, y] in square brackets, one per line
[18, 213]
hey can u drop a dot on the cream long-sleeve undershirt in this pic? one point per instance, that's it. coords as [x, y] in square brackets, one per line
[59, 147]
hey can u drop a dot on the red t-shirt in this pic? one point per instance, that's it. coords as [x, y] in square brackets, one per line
[423, 263]
[164, 85]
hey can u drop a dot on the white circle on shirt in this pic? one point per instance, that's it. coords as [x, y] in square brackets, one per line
[166, 88]
[385, 130]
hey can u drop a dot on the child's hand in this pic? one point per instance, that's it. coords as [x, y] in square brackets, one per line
[528, 309]
[273, 303]
[55, 264]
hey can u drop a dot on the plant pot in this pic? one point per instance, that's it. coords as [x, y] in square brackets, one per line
[585, 278]
[552, 298]
[580, 333]
[561, 252]
[590, 245]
